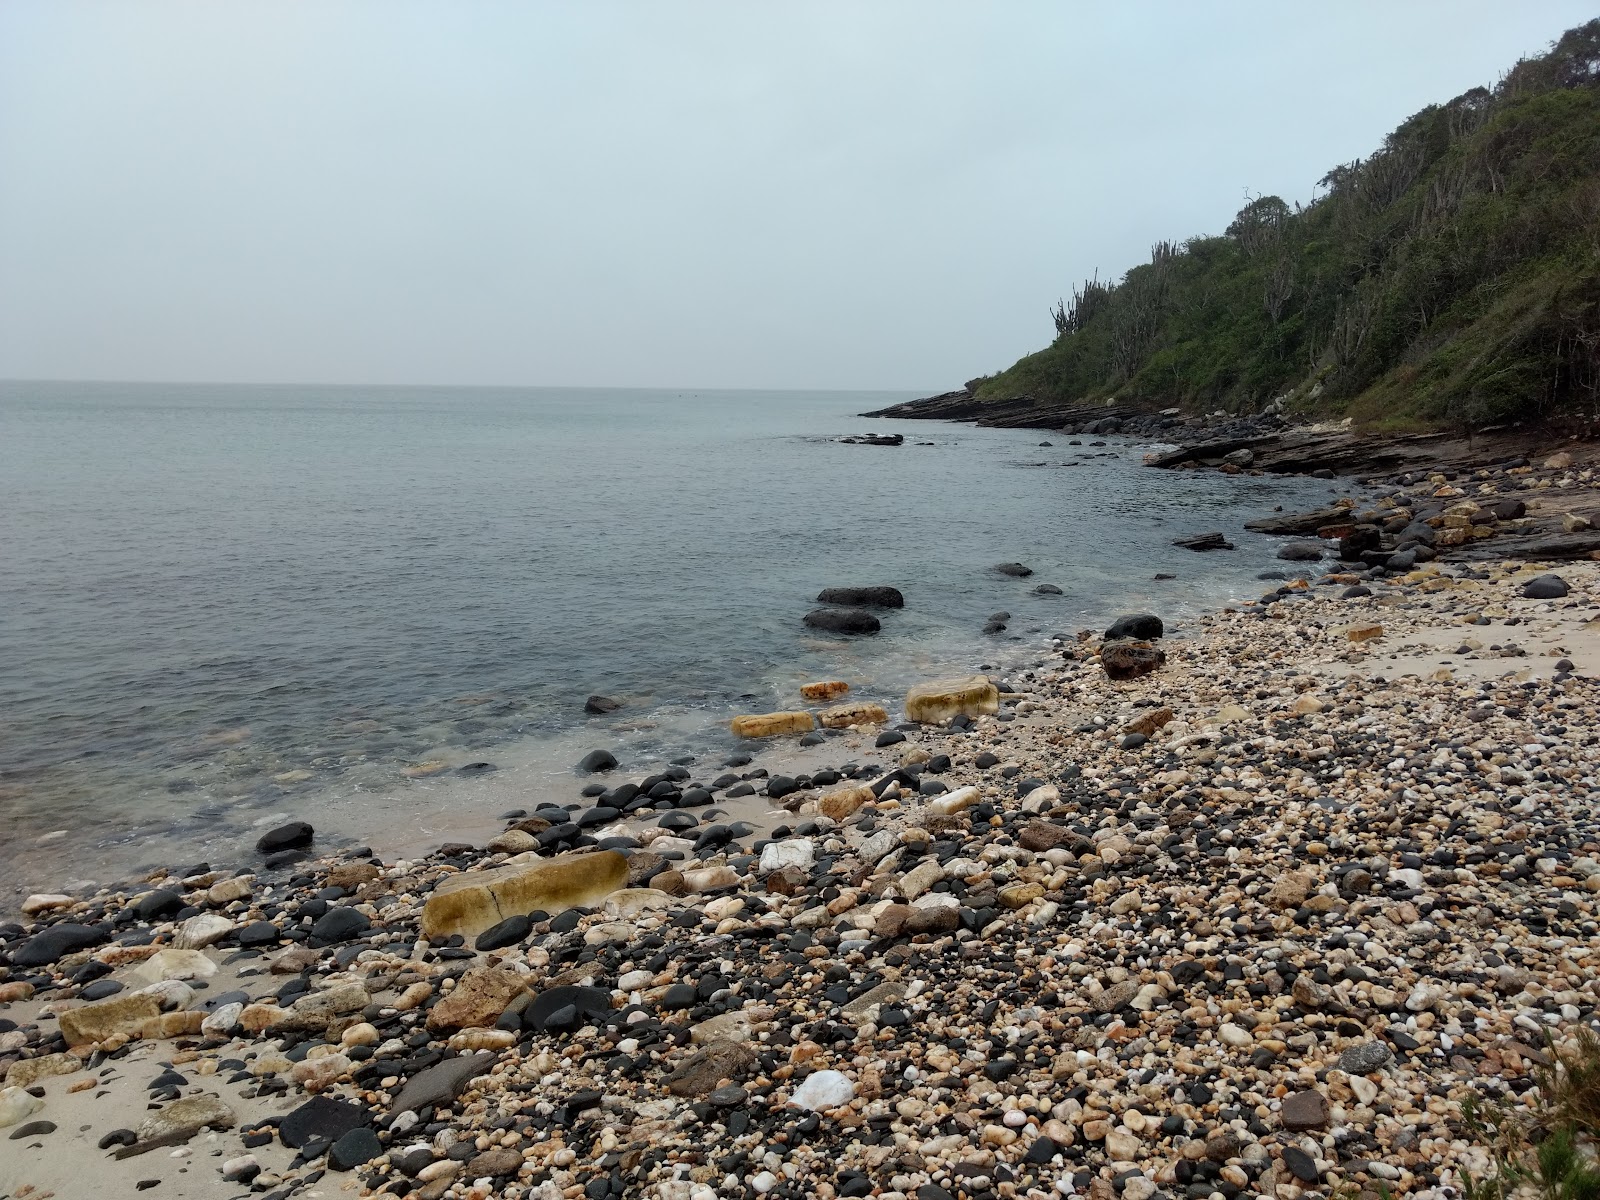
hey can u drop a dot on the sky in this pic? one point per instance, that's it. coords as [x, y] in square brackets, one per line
[858, 194]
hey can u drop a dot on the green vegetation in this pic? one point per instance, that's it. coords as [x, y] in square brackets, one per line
[1452, 278]
[1547, 1153]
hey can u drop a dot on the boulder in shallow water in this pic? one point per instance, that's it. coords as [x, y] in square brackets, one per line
[1204, 541]
[830, 689]
[774, 724]
[474, 901]
[292, 836]
[596, 760]
[1300, 551]
[600, 705]
[1013, 569]
[857, 597]
[936, 702]
[843, 620]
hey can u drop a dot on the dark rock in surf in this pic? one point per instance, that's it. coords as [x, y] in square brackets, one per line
[1204, 541]
[1015, 570]
[598, 706]
[855, 597]
[596, 760]
[292, 836]
[843, 620]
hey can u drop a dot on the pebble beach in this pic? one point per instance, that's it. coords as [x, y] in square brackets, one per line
[1265, 914]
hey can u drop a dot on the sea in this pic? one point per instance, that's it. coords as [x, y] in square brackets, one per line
[381, 609]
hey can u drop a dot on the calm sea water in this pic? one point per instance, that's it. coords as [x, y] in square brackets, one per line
[206, 591]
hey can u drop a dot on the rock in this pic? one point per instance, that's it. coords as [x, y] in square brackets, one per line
[843, 620]
[706, 1070]
[1300, 551]
[1559, 461]
[584, 1004]
[843, 716]
[1040, 836]
[17, 1105]
[1150, 721]
[951, 803]
[1306, 1110]
[339, 924]
[1047, 589]
[293, 836]
[1203, 542]
[441, 1083]
[507, 933]
[797, 852]
[629, 904]
[474, 901]
[496, 1163]
[943, 699]
[1365, 1058]
[29, 1071]
[322, 1118]
[786, 881]
[206, 929]
[512, 841]
[1301, 1165]
[870, 597]
[1289, 890]
[711, 879]
[1015, 570]
[121, 1014]
[823, 1090]
[356, 1148]
[45, 948]
[839, 804]
[920, 878]
[1545, 587]
[824, 691]
[184, 1118]
[1141, 627]
[480, 996]
[222, 1021]
[41, 902]
[1573, 523]
[1242, 457]
[1129, 659]
[773, 724]
[175, 964]
[595, 761]
[1362, 631]
[599, 706]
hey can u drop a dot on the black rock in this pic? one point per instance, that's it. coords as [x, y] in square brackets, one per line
[781, 785]
[321, 1117]
[339, 924]
[1300, 551]
[44, 948]
[353, 1149]
[1301, 1165]
[600, 705]
[259, 933]
[507, 933]
[679, 996]
[1204, 541]
[440, 1083]
[158, 905]
[1014, 569]
[32, 1129]
[1545, 587]
[843, 620]
[293, 836]
[1139, 626]
[889, 737]
[596, 760]
[1365, 1058]
[586, 1002]
[855, 597]
[1047, 589]
[100, 989]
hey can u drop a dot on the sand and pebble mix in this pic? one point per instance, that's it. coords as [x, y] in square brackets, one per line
[1256, 920]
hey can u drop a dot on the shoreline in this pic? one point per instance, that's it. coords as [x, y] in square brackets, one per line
[1125, 968]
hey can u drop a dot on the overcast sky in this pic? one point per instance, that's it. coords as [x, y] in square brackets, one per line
[838, 195]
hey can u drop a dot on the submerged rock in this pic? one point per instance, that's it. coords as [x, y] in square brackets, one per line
[856, 597]
[843, 620]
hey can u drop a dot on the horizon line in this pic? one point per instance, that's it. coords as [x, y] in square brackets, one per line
[577, 387]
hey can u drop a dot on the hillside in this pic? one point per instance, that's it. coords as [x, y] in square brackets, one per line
[1452, 278]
